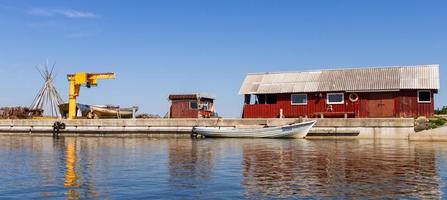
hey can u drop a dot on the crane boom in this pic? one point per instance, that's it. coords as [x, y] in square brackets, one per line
[82, 79]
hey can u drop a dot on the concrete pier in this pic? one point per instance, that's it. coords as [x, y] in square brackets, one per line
[363, 128]
[437, 134]
[399, 128]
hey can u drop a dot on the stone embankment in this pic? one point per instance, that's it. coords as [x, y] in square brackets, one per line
[437, 134]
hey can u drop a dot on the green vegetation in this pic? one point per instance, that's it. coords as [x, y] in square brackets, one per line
[436, 122]
[442, 111]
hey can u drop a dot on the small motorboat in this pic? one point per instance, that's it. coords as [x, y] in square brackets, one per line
[296, 130]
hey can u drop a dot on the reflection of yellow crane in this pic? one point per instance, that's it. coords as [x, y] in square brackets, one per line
[82, 79]
[71, 177]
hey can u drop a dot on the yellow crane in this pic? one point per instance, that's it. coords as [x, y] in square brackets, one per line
[82, 79]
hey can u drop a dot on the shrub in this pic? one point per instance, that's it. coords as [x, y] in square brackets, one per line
[437, 122]
[442, 111]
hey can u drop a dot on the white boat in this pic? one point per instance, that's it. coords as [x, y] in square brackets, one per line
[296, 130]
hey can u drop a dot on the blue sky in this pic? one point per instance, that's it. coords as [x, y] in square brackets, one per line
[162, 47]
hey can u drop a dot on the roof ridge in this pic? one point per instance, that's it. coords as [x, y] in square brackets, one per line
[348, 68]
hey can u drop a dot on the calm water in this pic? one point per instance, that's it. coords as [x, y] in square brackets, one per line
[129, 168]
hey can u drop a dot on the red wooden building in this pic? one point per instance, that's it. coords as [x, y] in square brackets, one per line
[191, 106]
[400, 91]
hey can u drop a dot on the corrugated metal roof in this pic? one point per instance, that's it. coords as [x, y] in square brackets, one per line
[190, 96]
[357, 79]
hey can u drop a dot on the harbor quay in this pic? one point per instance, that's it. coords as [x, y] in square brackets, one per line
[325, 128]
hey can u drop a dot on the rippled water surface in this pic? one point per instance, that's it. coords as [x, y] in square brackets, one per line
[130, 168]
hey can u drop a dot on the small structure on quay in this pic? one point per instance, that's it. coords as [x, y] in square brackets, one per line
[48, 98]
[194, 105]
[375, 92]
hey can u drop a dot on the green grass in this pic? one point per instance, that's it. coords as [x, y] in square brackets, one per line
[436, 122]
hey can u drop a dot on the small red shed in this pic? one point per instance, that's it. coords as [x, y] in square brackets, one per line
[374, 92]
[194, 105]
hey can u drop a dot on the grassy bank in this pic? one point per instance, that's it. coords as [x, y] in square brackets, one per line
[436, 122]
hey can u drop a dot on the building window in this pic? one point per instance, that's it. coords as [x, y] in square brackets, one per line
[266, 99]
[270, 98]
[206, 105]
[193, 105]
[260, 99]
[335, 98]
[299, 99]
[424, 96]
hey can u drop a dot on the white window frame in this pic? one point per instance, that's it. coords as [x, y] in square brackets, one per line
[419, 91]
[333, 103]
[297, 104]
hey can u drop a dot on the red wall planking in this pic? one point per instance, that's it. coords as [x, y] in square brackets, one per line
[181, 109]
[405, 105]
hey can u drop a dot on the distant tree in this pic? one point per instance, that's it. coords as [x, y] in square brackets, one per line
[442, 111]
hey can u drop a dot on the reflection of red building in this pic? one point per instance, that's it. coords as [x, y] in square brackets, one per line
[406, 91]
[341, 169]
[191, 106]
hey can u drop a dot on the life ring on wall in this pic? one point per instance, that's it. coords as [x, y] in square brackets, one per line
[353, 97]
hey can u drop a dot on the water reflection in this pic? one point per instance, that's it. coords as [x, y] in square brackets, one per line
[189, 160]
[341, 169]
[71, 176]
[116, 168]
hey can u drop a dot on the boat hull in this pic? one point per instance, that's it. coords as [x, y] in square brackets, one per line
[297, 130]
[100, 112]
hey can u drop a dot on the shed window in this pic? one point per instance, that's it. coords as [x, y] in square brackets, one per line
[424, 96]
[270, 99]
[335, 98]
[193, 104]
[266, 99]
[299, 99]
[260, 99]
[207, 105]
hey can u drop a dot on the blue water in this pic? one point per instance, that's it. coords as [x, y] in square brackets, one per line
[131, 168]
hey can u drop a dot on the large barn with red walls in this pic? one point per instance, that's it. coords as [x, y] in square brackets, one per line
[373, 92]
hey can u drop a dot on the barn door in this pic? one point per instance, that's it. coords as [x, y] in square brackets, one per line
[381, 105]
[374, 103]
[387, 105]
